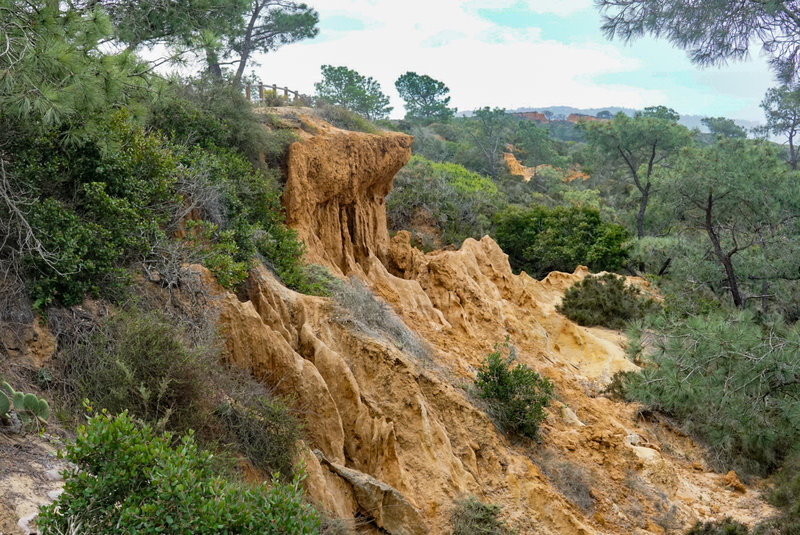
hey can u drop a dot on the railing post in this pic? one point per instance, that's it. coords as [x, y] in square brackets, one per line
[247, 93]
[286, 93]
[260, 93]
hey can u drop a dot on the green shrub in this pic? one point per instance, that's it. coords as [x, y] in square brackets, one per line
[127, 476]
[604, 300]
[140, 362]
[212, 113]
[516, 394]
[728, 526]
[470, 516]
[267, 431]
[728, 378]
[459, 202]
[539, 240]
[145, 362]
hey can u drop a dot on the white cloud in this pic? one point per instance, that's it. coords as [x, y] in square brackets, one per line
[482, 63]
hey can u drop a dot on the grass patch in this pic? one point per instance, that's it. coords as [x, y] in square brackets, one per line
[359, 307]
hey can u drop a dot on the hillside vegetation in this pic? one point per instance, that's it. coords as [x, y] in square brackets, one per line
[132, 204]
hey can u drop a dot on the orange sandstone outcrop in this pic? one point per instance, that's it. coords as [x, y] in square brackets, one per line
[399, 437]
[335, 194]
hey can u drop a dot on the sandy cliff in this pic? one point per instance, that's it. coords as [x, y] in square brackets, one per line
[397, 437]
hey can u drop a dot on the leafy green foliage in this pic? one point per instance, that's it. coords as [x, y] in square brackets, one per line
[729, 378]
[539, 240]
[345, 119]
[144, 362]
[712, 32]
[214, 114]
[722, 126]
[637, 146]
[781, 106]
[347, 88]
[738, 200]
[127, 475]
[728, 526]
[425, 98]
[516, 394]
[458, 202]
[267, 431]
[604, 300]
[471, 516]
[50, 72]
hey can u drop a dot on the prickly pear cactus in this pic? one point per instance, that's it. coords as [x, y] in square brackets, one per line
[5, 405]
[26, 406]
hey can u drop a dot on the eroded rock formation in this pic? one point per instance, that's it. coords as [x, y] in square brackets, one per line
[392, 428]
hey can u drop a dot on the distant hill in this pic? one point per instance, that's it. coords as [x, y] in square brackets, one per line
[689, 121]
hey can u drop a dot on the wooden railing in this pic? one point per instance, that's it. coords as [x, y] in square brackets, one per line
[257, 93]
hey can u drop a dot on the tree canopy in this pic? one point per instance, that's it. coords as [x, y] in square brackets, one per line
[425, 98]
[713, 31]
[347, 88]
[744, 202]
[782, 108]
[639, 145]
[724, 127]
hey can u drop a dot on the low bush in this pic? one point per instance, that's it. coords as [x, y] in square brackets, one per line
[359, 307]
[604, 300]
[574, 481]
[728, 526]
[539, 240]
[127, 475]
[471, 516]
[516, 394]
[345, 119]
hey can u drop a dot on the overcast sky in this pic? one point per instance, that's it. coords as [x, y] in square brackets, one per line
[512, 54]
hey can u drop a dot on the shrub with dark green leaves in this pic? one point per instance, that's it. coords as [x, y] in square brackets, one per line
[458, 202]
[539, 240]
[729, 378]
[470, 516]
[728, 526]
[128, 477]
[516, 394]
[604, 300]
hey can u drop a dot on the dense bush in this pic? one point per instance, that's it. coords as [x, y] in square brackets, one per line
[729, 378]
[604, 300]
[516, 394]
[458, 202]
[144, 362]
[727, 526]
[539, 240]
[127, 475]
[471, 516]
